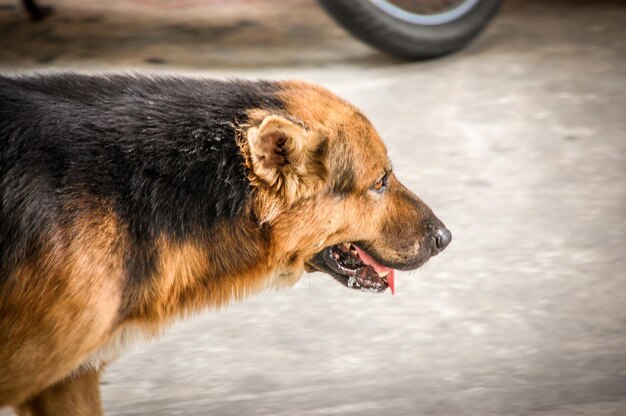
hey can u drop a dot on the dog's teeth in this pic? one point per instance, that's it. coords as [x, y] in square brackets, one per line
[352, 282]
[383, 274]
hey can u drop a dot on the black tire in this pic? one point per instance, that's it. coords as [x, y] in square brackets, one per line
[407, 40]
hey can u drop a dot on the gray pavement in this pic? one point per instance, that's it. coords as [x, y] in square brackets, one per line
[518, 144]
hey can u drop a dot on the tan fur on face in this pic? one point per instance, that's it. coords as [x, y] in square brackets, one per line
[352, 138]
[324, 218]
[319, 219]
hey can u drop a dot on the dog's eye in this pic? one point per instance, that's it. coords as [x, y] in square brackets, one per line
[380, 185]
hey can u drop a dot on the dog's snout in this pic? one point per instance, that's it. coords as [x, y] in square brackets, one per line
[442, 237]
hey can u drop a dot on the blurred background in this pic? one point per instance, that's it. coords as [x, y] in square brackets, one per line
[517, 142]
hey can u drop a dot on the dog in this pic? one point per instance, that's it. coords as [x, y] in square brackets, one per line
[128, 201]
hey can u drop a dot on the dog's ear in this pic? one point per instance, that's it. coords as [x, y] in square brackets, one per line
[276, 146]
[285, 157]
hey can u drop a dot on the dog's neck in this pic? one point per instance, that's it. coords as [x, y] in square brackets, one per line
[231, 261]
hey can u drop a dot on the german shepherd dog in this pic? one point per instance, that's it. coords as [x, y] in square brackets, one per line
[128, 201]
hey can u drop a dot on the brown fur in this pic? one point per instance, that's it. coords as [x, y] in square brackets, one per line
[57, 310]
[310, 167]
[78, 395]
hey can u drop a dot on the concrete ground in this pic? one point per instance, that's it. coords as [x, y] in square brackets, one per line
[518, 143]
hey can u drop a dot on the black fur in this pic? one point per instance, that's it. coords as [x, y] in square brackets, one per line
[160, 150]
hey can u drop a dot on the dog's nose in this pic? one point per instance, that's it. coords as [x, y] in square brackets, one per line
[442, 237]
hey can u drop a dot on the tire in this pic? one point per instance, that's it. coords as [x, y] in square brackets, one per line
[393, 33]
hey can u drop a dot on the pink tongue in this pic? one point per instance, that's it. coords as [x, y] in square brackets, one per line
[367, 259]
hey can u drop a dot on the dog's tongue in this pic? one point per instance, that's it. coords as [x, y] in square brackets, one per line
[379, 268]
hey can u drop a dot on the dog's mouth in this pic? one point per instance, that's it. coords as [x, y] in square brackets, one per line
[355, 268]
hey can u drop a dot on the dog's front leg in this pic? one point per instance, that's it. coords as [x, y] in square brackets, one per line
[77, 395]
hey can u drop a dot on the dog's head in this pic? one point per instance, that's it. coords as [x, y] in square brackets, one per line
[326, 188]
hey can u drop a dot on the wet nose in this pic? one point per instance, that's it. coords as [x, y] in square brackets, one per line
[442, 237]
